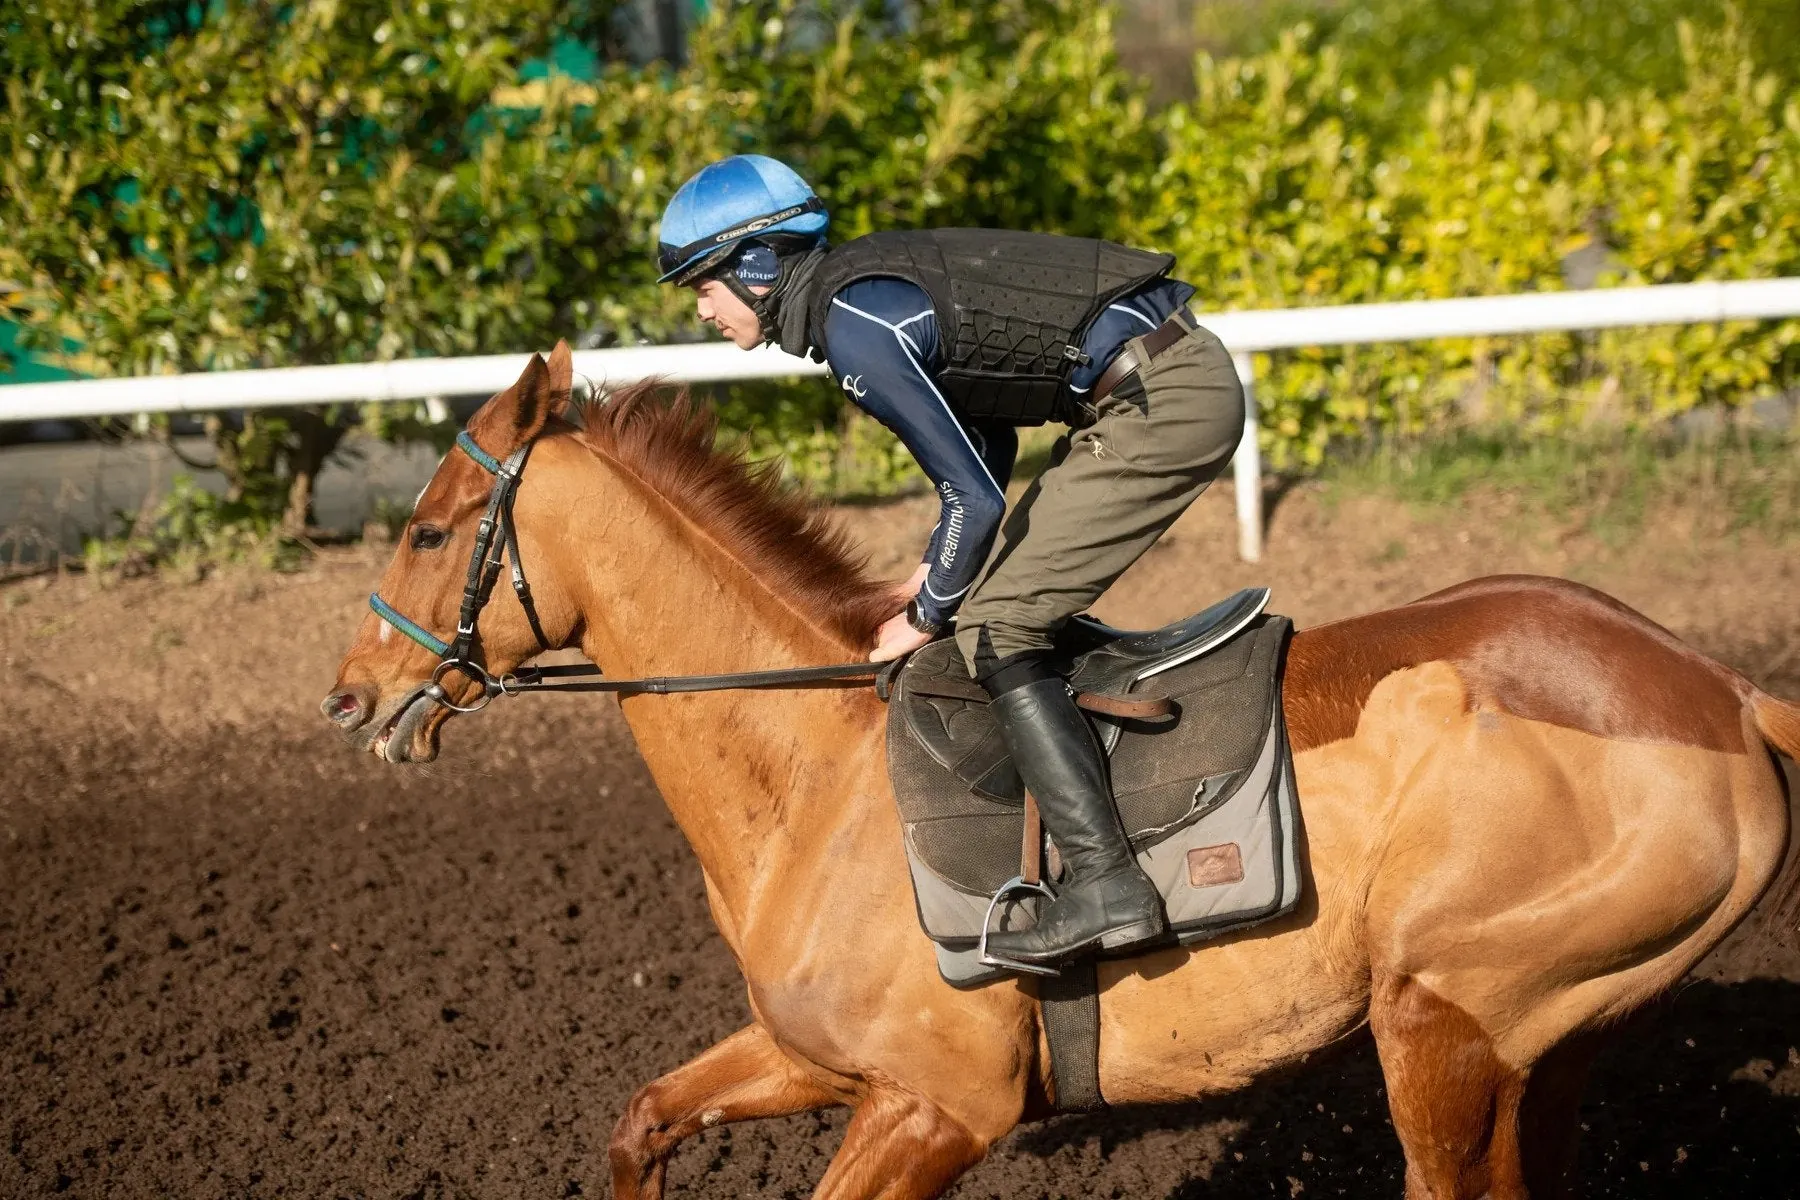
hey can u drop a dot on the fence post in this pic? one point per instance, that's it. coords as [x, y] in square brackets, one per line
[1246, 467]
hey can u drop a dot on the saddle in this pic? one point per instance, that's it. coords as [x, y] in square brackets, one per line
[1202, 776]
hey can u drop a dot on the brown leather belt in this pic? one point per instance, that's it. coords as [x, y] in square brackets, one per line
[1178, 326]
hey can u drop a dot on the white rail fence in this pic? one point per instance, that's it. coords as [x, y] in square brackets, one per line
[1244, 333]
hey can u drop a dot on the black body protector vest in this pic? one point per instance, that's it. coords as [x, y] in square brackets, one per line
[1012, 308]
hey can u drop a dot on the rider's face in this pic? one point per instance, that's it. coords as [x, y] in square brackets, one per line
[721, 308]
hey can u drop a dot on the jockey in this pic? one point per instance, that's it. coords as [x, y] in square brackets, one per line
[952, 339]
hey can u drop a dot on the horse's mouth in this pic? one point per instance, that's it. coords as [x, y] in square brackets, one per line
[409, 733]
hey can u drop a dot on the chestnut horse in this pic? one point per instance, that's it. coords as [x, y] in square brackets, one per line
[1528, 811]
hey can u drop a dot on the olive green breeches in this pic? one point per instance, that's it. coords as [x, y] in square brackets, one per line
[1110, 492]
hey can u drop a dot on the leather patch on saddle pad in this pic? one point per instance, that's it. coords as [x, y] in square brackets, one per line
[1211, 866]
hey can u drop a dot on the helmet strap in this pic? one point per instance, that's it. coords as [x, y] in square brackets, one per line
[767, 315]
[767, 307]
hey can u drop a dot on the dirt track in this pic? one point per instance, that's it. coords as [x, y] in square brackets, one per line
[238, 960]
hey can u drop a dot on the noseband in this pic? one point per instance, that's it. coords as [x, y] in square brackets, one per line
[497, 545]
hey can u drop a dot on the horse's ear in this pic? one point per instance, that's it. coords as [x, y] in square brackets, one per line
[516, 416]
[562, 371]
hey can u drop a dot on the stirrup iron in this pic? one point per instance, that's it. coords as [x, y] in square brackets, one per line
[1017, 883]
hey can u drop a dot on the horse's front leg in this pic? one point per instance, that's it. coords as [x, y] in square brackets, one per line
[741, 1078]
[899, 1146]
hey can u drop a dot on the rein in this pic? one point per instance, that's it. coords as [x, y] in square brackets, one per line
[496, 546]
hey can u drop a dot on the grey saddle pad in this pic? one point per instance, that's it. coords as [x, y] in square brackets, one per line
[1206, 796]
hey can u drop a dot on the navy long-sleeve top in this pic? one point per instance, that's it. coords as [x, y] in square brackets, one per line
[885, 354]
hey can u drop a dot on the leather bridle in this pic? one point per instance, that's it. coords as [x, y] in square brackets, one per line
[497, 546]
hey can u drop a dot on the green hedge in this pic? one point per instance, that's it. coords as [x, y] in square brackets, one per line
[1274, 195]
[1565, 49]
[186, 187]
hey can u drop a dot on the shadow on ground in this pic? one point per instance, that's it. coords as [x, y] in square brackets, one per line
[1701, 1098]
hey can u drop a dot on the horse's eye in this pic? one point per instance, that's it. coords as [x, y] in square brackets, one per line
[428, 537]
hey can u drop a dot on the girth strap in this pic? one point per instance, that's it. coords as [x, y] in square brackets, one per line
[1070, 1006]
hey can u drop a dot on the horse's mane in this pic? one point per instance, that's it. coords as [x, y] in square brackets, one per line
[670, 443]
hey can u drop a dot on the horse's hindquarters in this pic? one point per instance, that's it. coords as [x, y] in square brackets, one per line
[1544, 879]
[1538, 880]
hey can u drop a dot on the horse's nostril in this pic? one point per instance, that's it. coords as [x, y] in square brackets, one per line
[344, 708]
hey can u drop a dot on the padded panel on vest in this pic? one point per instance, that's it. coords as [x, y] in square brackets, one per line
[1008, 304]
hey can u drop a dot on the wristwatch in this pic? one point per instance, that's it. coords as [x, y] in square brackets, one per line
[917, 620]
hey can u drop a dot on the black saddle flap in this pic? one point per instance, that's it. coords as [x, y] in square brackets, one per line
[947, 713]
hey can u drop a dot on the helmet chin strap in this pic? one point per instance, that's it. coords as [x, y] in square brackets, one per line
[765, 306]
[794, 260]
[796, 265]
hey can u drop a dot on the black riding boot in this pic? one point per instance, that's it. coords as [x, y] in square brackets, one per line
[1105, 901]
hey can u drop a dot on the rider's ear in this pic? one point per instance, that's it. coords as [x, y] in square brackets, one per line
[516, 416]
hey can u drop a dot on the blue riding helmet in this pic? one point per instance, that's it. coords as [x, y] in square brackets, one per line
[744, 196]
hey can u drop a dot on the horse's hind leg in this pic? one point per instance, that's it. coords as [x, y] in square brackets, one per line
[1550, 1118]
[1455, 1105]
[739, 1079]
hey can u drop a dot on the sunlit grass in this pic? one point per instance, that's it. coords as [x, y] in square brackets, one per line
[1614, 485]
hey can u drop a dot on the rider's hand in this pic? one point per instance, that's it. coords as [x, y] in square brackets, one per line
[907, 590]
[896, 637]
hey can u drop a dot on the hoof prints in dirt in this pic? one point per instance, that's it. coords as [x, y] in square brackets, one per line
[257, 965]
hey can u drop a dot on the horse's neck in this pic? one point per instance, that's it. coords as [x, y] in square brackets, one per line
[755, 779]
